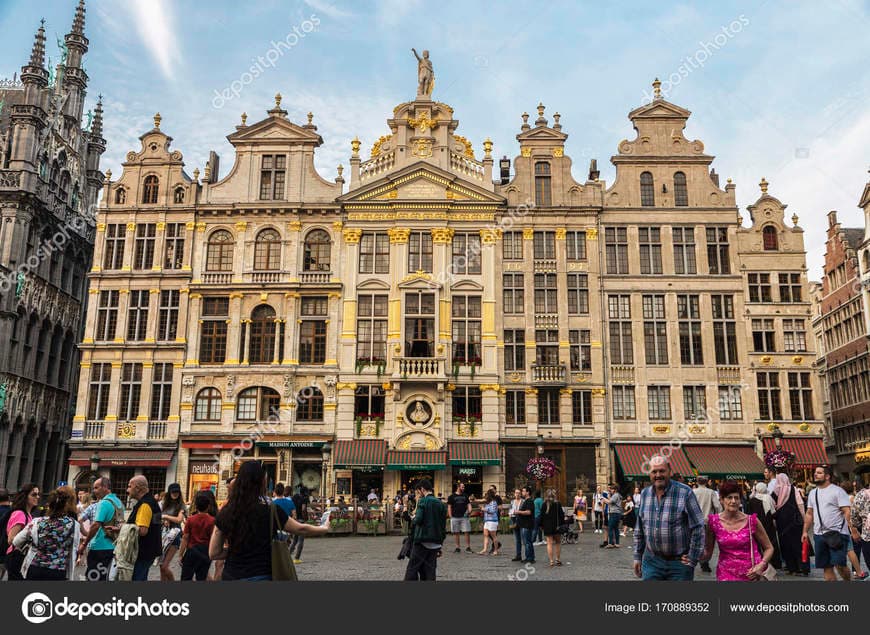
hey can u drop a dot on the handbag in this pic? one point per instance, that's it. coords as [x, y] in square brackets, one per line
[405, 551]
[28, 540]
[832, 538]
[769, 573]
[283, 569]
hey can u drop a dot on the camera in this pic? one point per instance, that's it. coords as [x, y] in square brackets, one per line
[39, 608]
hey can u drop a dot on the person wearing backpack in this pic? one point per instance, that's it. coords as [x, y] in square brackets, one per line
[100, 538]
[5, 511]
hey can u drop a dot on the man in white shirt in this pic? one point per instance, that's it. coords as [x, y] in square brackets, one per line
[770, 477]
[708, 501]
[829, 517]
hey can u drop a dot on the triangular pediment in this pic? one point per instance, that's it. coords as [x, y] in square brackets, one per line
[420, 280]
[542, 133]
[275, 129]
[421, 181]
[659, 108]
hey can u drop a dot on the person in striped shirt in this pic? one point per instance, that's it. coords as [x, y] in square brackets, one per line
[669, 535]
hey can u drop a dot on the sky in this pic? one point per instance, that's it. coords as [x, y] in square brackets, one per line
[777, 90]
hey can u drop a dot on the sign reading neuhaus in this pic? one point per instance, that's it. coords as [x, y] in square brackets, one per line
[38, 608]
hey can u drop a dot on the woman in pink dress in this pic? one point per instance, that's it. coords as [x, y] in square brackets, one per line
[742, 540]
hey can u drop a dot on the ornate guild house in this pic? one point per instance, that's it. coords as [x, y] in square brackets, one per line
[438, 315]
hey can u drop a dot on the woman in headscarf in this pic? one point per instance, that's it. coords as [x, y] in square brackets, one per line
[762, 505]
[789, 517]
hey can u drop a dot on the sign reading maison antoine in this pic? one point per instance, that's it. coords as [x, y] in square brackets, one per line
[434, 318]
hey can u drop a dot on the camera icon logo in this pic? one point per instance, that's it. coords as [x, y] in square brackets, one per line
[37, 608]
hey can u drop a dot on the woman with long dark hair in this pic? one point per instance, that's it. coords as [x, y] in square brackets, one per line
[174, 513]
[25, 499]
[52, 539]
[243, 523]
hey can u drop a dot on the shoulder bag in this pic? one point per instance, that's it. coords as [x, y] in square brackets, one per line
[769, 573]
[283, 569]
[832, 538]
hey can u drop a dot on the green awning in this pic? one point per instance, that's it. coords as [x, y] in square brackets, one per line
[416, 460]
[474, 453]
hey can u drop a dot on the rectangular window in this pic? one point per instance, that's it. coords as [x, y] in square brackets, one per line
[131, 391]
[273, 173]
[315, 306]
[730, 403]
[312, 342]
[161, 392]
[794, 332]
[616, 249]
[694, 402]
[650, 250]
[655, 330]
[173, 249]
[619, 326]
[623, 403]
[684, 250]
[800, 396]
[116, 235]
[419, 324]
[466, 254]
[546, 347]
[107, 316]
[467, 402]
[467, 329]
[213, 330]
[513, 293]
[769, 408]
[546, 293]
[98, 391]
[658, 399]
[689, 316]
[581, 350]
[578, 294]
[759, 287]
[790, 287]
[374, 253]
[718, 259]
[575, 244]
[137, 314]
[420, 252]
[544, 245]
[548, 407]
[515, 406]
[512, 246]
[371, 329]
[763, 334]
[581, 407]
[515, 349]
[543, 191]
[167, 325]
[143, 254]
[369, 402]
[724, 329]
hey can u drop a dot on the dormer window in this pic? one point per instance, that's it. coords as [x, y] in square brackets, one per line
[120, 196]
[647, 190]
[150, 189]
[543, 191]
[272, 177]
[681, 193]
[771, 243]
[178, 195]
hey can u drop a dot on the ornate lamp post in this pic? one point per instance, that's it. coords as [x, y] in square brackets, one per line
[540, 443]
[777, 437]
[95, 467]
[325, 451]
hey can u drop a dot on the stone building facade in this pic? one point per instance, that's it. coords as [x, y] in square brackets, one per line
[440, 318]
[49, 183]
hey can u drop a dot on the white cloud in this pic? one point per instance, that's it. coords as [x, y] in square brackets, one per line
[154, 22]
[328, 9]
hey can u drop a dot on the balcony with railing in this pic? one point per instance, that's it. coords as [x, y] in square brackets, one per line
[545, 265]
[223, 277]
[94, 430]
[368, 426]
[549, 374]
[157, 430]
[262, 277]
[377, 165]
[467, 427]
[728, 374]
[315, 277]
[465, 165]
[622, 374]
[546, 320]
[419, 368]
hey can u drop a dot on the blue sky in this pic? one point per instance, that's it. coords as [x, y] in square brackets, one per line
[778, 90]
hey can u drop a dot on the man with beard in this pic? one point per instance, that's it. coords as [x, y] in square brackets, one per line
[669, 535]
[827, 524]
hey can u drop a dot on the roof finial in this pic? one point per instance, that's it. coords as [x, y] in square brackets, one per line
[354, 146]
[78, 26]
[310, 117]
[763, 185]
[794, 219]
[244, 119]
[277, 100]
[97, 125]
[196, 175]
[37, 53]
[556, 124]
[487, 148]
[157, 120]
[540, 121]
[657, 88]
[525, 125]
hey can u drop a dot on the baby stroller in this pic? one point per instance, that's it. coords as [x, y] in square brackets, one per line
[570, 536]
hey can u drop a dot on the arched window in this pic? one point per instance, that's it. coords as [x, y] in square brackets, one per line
[178, 195]
[309, 405]
[647, 191]
[263, 327]
[64, 185]
[208, 405]
[866, 262]
[267, 250]
[54, 175]
[120, 196]
[219, 256]
[257, 404]
[771, 242]
[681, 193]
[149, 191]
[317, 251]
[543, 191]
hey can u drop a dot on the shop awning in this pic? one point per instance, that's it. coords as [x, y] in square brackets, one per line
[809, 452]
[360, 453]
[416, 460]
[123, 458]
[725, 461]
[473, 453]
[634, 458]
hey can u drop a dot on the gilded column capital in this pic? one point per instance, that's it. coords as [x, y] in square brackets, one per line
[294, 225]
[337, 225]
[131, 227]
[200, 227]
[352, 236]
[101, 227]
[592, 233]
[560, 233]
[528, 233]
[490, 236]
[161, 227]
[442, 235]
[242, 225]
[399, 234]
[189, 225]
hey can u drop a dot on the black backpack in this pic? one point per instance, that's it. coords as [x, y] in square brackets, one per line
[4, 537]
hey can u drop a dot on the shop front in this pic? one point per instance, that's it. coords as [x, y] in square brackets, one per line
[467, 460]
[575, 468]
[413, 466]
[632, 461]
[120, 466]
[809, 452]
[359, 468]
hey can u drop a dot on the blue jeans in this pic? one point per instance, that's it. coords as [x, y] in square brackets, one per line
[518, 541]
[528, 539]
[256, 578]
[538, 535]
[613, 528]
[140, 570]
[655, 568]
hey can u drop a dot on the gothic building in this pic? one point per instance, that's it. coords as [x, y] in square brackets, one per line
[436, 319]
[49, 182]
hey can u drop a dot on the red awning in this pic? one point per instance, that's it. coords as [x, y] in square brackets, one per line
[360, 453]
[634, 458]
[725, 461]
[808, 451]
[123, 458]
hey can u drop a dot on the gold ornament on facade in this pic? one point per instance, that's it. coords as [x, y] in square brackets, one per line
[423, 123]
[515, 377]
[592, 233]
[196, 175]
[528, 233]
[763, 185]
[797, 359]
[241, 225]
[354, 146]
[418, 275]
[200, 227]
[490, 236]
[526, 151]
[531, 391]
[766, 359]
[387, 385]
[399, 234]
[561, 232]
[352, 236]
[696, 429]
[661, 429]
[294, 225]
[558, 152]
[804, 427]
[422, 148]
[487, 148]
[337, 225]
[376, 148]
[127, 430]
[157, 120]
[599, 392]
[442, 235]
[469, 150]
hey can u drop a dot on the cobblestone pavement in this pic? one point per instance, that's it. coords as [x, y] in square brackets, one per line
[351, 558]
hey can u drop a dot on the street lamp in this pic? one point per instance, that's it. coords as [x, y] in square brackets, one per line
[325, 451]
[540, 442]
[95, 466]
[777, 437]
